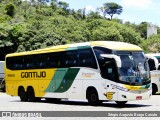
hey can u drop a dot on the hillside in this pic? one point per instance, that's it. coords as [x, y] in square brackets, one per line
[30, 25]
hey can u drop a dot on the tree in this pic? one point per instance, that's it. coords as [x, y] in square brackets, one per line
[6, 45]
[39, 25]
[109, 30]
[94, 15]
[10, 9]
[111, 9]
[18, 2]
[53, 5]
[152, 44]
[63, 5]
[43, 1]
[142, 29]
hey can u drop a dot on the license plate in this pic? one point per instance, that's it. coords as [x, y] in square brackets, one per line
[139, 98]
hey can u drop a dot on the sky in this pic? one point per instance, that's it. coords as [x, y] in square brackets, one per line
[134, 11]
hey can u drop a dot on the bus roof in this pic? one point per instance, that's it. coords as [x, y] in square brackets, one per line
[153, 54]
[114, 45]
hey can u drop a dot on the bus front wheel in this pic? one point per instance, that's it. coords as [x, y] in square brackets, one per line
[92, 97]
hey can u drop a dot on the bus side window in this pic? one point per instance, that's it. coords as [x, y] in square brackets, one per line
[10, 63]
[71, 59]
[101, 50]
[108, 69]
[28, 62]
[86, 58]
[56, 60]
[18, 63]
[151, 64]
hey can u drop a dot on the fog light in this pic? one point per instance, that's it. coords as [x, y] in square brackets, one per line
[124, 96]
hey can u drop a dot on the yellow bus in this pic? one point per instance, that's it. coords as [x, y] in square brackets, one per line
[95, 71]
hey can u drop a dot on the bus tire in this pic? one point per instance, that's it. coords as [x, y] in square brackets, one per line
[121, 103]
[154, 89]
[31, 95]
[92, 97]
[22, 94]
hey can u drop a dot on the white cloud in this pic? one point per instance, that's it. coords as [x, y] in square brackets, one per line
[90, 8]
[143, 4]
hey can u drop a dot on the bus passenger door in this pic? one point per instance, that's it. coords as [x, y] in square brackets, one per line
[110, 73]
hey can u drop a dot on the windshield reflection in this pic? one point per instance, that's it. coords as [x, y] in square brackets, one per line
[134, 70]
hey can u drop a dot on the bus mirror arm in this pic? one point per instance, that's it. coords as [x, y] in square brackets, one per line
[115, 57]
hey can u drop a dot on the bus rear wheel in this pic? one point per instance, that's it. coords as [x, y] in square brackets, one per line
[31, 95]
[22, 94]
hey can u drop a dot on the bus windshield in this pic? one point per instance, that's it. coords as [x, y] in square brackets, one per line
[134, 69]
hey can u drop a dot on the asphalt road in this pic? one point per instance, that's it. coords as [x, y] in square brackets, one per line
[9, 103]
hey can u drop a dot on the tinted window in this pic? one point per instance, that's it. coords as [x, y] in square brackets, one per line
[71, 59]
[10, 62]
[40, 61]
[27, 62]
[55, 60]
[101, 50]
[86, 58]
[37, 61]
[82, 58]
[109, 70]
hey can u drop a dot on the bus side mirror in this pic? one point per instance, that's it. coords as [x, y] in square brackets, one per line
[158, 67]
[154, 59]
[115, 57]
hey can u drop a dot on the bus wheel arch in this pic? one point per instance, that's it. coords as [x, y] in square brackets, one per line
[92, 96]
[154, 89]
[22, 94]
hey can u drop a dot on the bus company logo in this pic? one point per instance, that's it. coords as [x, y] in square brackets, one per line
[41, 74]
[88, 75]
[118, 87]
[109, 95]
